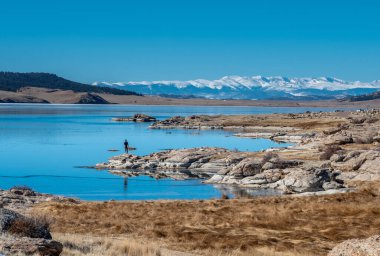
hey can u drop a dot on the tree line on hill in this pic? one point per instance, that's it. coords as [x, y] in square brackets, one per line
[11, 81]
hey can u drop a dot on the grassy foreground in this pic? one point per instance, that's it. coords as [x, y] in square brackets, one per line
[262, 226]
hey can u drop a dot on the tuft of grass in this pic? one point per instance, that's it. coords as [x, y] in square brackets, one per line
[78, 245]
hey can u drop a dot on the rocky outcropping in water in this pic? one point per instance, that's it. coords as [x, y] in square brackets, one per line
[135, 118]
[219, 165]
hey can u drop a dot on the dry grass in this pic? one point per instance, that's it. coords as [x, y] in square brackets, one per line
[75, 245]
[34, 226]
[305, 225]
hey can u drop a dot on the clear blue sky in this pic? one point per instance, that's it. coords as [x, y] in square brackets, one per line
[173, 39]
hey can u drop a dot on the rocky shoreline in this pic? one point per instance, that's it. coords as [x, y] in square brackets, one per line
[332, 150]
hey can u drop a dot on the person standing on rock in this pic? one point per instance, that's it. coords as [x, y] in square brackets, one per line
[126, 146]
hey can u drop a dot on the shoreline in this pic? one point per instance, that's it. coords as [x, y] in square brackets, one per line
[32, 95]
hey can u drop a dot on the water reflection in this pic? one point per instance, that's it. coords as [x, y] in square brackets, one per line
[234, 191]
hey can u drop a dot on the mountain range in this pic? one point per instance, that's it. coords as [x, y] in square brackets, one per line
[251, 88]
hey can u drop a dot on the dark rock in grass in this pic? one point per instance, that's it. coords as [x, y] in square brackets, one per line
[29, 246]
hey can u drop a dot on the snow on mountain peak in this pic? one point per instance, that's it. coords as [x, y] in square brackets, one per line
[254, 87]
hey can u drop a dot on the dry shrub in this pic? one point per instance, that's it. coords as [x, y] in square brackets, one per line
[36, 226]
[328, 151]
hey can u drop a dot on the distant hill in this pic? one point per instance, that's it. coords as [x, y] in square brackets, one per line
[10, 81]
[371, 96]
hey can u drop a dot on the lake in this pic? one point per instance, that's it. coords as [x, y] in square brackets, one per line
[41, 146]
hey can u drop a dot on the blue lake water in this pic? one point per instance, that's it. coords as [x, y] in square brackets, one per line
[41, 146]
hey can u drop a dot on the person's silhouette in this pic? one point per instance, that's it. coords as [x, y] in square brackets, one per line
[126, 146]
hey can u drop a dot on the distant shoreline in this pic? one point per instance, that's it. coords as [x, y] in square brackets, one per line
[33, 95]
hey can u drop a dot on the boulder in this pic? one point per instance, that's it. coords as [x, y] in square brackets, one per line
[29, 246]
[266, 177]
[338, 139]
[367, 161]
[332, 185]
[247, 167]
[300, 180]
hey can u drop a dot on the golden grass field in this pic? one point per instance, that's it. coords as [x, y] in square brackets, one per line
[283, 225]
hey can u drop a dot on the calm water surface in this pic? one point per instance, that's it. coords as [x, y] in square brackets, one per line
[41, 145]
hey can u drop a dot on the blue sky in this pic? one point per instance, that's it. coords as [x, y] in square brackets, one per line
[172, 39]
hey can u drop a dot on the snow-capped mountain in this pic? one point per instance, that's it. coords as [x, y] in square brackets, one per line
[255, 87]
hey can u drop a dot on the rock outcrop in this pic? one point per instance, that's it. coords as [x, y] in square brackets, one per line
[189, 122]
[198, 162]
[20, 198]
[135, 118]
[10, 245]
[227, 167]
[20, 234]
[358, 247]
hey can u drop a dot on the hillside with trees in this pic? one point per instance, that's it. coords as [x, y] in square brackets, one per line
[10, 81]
